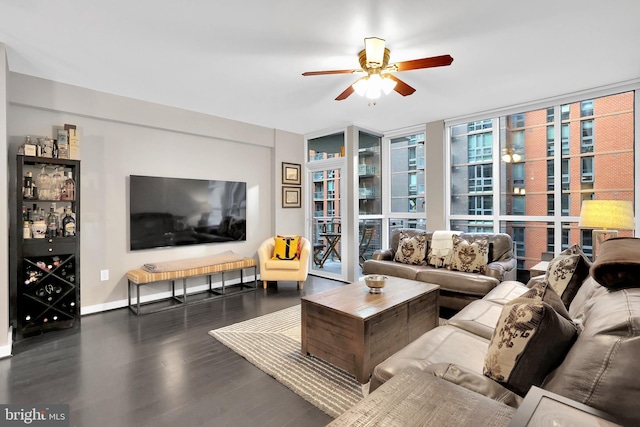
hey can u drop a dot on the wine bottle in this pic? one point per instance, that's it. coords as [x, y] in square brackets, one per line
[68, 224]
[52, 223]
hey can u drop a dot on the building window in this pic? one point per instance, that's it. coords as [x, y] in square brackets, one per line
[587, 169]
[550, 140]
[407, 174]
[480, 205]
[565, 239]
[550, 114]
[551, 178]
[564, 201]
[566, 176]
[586, 241]
[586, 136]
[479, 125]
[480, 178]
[517, 121]
[518, 205]
[565, 112]
[565, 133]
[480, 147]
[586, 108]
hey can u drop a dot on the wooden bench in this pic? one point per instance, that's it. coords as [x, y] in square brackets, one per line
[141, 276]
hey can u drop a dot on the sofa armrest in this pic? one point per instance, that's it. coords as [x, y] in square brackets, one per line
[383, 255]
[535, 279]
[502, 270]
[474, 381]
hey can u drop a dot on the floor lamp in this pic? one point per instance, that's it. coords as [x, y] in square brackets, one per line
[605, 217]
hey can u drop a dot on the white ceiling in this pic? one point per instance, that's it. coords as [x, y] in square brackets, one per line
[243, 59]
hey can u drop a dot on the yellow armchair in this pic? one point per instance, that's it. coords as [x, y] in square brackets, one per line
[283, 270]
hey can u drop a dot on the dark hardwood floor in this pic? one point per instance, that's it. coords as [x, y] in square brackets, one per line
[161, 369]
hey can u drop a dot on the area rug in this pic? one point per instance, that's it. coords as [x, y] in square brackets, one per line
[272, 343]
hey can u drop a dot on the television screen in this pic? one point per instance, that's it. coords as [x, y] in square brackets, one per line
[178, 211]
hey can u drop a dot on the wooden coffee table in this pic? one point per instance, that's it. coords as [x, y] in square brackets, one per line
[355, 330]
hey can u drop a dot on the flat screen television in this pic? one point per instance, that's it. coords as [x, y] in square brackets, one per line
[179, 211]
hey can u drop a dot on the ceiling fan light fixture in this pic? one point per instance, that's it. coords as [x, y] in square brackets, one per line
[388, 85]
[374, 87]
[374, 48]
[361, 86]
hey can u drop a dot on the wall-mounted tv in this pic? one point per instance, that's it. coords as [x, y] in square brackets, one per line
[179, 211]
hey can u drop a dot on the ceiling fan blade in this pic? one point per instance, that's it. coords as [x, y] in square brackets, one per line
[320, 73]
[401, 87]
[415, 64]
[344, 95]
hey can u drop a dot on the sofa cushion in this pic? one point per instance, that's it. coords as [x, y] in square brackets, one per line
[505, 292]
[442, 344]
[391, 268]
[530, 340]
[566, 272]
[618, 263]
[469, 257]
[412, 249]
[586, 295]
[286, 248]
[458, 281]
[601, 369]
[478, 317]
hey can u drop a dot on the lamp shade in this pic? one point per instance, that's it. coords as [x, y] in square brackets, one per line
[607, 214]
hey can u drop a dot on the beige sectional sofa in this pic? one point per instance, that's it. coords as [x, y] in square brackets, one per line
[597, 366]
[457, 288]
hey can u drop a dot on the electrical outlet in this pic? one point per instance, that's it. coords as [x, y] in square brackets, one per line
[104, 275]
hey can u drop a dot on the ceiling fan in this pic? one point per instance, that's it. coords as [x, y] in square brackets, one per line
[374, 60]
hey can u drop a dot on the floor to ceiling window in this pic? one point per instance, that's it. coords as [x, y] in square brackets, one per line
[507, 175]
[407, 182]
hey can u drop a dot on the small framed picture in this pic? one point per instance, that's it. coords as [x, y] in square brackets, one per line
[291, 197]
[291, 173]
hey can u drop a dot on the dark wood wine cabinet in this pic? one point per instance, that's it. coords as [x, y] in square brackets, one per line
[45, 272]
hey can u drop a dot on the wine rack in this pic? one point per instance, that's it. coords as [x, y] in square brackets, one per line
[45, 273]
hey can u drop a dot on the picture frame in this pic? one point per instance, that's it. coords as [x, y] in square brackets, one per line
[291, 197]
[291, 173]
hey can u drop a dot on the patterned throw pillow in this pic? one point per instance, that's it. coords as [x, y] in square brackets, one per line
[411, 250]
[469, 257]
[530, 340]
[541, 291]
[287, 248]
[566, 272]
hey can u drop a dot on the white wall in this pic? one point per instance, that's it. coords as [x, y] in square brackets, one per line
[121, 136]
[290, 149]
[5, 346]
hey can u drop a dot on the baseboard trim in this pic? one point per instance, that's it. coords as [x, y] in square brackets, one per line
[124, 303]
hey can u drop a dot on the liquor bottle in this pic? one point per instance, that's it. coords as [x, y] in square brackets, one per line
[26, 188]
[68, 188]
[25, 214]
[52, 223]
[26, 230]
[68, 224]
